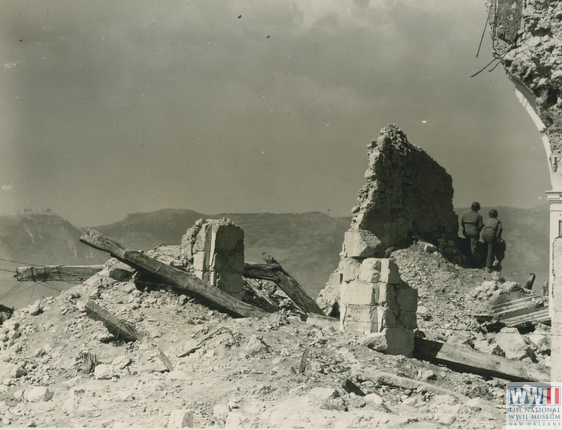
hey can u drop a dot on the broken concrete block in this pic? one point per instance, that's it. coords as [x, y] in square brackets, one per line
[103, 371]
[38, 394]
[180, 419]
[392, 340]
[357, 293]
[361, 244]
[385, 318]
[230, 283]
[406, 297]
[379, 270]
[514, 346]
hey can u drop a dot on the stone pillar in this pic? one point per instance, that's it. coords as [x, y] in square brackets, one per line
[555, 305]
[373, 299]
[527, 99]
[555, 200]
[215, 249]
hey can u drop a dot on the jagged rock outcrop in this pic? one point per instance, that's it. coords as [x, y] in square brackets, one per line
[407, 196]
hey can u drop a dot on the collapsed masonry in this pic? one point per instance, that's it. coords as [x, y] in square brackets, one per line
[215, 251]
[527, 39]
[407, 197]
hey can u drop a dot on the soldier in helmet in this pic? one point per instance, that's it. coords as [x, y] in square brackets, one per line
[471, 226]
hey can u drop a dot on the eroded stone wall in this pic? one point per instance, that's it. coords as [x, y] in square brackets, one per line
[527, 37]
[407, 196]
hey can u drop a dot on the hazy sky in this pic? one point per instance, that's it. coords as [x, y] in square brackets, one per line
[111, 107]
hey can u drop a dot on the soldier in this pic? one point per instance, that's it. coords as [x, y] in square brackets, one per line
[492, 235]
[471, 226]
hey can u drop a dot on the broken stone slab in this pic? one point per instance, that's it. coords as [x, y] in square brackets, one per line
[514, 346]
[392, 340]
[361, 243]
[180, 418]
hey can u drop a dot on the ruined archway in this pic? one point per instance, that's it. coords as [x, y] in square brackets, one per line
[527, 39]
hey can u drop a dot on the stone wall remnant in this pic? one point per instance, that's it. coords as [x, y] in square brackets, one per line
[374, 300]
[407, 196]
[215, 251]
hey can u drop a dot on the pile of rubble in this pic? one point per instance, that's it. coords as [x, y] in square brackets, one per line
[197, 366]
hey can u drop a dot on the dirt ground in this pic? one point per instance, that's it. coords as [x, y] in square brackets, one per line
[250, 374]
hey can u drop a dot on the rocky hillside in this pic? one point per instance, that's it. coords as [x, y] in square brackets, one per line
[60, 368]
[43, 237]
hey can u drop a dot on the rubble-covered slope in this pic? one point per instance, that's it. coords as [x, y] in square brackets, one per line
[246, 376]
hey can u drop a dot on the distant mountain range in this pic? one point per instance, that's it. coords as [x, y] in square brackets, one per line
[307, 244]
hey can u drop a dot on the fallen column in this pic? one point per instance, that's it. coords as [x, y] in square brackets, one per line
[177, 279]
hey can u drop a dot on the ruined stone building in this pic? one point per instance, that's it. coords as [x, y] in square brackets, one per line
[407, 196]
[527, 39]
